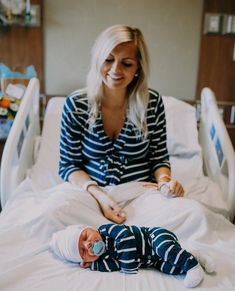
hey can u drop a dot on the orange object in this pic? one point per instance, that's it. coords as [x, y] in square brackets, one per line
[5, 103]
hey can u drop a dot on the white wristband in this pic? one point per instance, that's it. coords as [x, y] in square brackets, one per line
[89, 183]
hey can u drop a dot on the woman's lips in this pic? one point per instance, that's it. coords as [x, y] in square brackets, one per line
[115, 78]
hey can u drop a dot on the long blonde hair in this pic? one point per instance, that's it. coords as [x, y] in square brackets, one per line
[138, 95]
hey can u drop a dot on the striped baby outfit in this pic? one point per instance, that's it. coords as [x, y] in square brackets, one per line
[129, 248]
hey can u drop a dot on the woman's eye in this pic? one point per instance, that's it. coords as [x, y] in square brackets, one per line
[109, 60]
[127, 65]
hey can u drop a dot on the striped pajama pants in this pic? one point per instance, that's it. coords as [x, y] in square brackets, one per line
[172, 258]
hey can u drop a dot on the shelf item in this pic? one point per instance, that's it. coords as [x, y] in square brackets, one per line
[29, 18]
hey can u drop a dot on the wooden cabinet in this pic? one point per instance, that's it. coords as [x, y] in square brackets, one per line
[217, 65]
[22, 46]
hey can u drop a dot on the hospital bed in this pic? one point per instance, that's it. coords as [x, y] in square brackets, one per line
[36, 202]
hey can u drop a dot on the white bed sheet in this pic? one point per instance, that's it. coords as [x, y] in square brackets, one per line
[43, 204]
[30, 218]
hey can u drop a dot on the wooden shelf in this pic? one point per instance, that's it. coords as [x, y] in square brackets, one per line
[23, 46]
[216, 65]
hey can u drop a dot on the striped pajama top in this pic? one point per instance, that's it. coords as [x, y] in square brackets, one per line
[111, 162]
[128, 248]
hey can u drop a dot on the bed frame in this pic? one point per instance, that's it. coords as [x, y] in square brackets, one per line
[19, 151]
[218, 151]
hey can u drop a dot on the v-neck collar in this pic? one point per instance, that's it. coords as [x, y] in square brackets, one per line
[119, 142]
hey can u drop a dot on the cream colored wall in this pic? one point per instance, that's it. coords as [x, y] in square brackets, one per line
[171, 29]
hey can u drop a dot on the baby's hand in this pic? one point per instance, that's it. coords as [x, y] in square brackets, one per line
[85, 265]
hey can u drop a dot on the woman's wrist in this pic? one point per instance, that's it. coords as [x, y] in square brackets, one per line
[93, 189]
[164, 178]
[89, 183]
[162, 174]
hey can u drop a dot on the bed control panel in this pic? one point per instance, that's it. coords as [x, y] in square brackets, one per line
[20, 143]
[212, 132]
[215, 139]
[219, 151]
[217, 144]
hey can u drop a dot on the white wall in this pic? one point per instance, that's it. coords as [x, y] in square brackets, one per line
[171, 29]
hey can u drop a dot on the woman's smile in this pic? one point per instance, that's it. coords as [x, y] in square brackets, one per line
[120, 66]
[115, 78]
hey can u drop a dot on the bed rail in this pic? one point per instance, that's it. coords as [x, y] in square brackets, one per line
[218, 152]
[18, 153]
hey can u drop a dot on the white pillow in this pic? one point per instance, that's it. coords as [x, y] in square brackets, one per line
[44, 173]
[182, 140]
[181, 127]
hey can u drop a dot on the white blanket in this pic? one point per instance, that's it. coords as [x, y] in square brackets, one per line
[29, 219]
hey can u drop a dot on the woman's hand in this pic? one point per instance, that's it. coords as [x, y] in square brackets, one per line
[171, 188]
[108, 206]
[166, 185]
[110, 209]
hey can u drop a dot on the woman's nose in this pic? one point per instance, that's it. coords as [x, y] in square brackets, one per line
[116, 68]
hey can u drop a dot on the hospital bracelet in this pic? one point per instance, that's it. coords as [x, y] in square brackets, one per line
[89, 183]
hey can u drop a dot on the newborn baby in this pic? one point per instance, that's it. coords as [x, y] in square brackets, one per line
[115, 247]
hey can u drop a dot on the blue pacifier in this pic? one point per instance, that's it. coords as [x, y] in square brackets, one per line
[98, 248]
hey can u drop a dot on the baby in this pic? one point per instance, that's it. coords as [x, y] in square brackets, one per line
[115, 247]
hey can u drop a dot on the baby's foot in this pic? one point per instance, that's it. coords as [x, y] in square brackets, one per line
[205, 261]
[194, 277]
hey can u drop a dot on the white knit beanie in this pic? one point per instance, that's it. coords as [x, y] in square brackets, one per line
[64, 243]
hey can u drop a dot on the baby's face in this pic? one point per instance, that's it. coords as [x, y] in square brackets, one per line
[86, 241]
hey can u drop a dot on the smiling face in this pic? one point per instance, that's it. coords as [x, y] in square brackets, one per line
[120, 66]
[86, 241]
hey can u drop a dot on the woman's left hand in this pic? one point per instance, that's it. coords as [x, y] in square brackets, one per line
[171, 188]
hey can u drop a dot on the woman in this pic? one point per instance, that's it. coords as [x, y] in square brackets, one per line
[116, 133]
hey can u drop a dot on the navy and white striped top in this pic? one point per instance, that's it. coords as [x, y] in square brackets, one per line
[128, 248]
[111, 162]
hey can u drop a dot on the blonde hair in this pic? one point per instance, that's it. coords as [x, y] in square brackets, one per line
[137, 92]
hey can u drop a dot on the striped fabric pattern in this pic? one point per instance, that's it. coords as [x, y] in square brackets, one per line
[129, 248]
[172, 258]
[111, 162]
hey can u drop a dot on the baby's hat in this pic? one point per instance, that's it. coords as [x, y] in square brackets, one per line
[64, 243]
